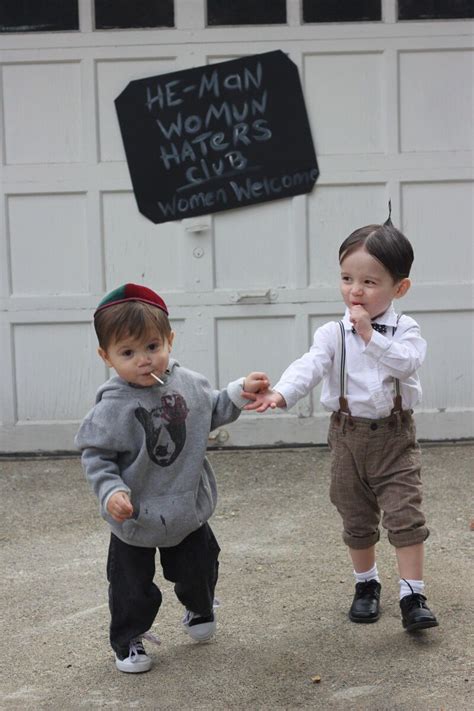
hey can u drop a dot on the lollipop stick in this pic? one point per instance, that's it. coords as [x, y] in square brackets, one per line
[157, 378]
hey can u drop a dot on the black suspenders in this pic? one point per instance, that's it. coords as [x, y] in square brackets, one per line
[343, 403]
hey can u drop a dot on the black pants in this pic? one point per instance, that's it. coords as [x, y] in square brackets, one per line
[134, 599]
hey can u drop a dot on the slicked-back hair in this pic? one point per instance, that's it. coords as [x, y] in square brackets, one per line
[386, 244]
[132, 319]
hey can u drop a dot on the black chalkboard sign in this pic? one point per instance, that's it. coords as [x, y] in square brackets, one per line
[217, 137]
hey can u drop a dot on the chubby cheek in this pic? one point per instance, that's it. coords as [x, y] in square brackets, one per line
[345, 292]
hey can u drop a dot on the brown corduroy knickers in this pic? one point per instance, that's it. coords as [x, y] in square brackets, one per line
[375, 467]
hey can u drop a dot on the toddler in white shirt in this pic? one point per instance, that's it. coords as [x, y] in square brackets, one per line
[368, 363]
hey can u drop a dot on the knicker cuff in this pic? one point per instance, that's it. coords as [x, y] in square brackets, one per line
[360, 542]
[402, 539]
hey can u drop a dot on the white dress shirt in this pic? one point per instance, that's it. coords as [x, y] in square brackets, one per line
[371, 369]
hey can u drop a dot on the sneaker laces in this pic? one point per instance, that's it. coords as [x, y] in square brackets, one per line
[151, 637]
[136, 647]
[190, 615]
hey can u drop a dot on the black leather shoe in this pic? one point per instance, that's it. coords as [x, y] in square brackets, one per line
[416, 615]
[365, 605]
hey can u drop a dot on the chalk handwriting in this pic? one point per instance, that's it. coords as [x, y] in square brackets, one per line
[169, 95]
[246, 191]
[222, 136]
[175, 154]
[215, 127]
[229, 112]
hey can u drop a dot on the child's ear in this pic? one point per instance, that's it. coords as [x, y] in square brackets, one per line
[104, 356]
[171, 339]
[402, 288]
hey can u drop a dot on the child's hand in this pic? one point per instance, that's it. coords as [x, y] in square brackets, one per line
[263, 400]
[255, 382]
[119, 506]
[361, 321]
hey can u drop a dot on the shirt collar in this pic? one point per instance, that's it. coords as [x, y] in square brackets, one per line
[389, 318]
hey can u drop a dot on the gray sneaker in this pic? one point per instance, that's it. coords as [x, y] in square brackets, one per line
[198, 627]
[137, 660]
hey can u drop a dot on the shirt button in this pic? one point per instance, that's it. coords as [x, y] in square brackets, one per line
[373, 426]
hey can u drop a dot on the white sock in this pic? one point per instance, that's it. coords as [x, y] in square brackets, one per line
[371, 574]
[407, 587]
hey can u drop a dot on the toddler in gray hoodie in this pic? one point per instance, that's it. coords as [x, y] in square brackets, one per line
[144, 454]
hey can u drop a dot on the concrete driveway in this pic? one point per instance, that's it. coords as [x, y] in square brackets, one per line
[285, 587]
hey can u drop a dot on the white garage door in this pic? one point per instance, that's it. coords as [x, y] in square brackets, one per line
[390, 104]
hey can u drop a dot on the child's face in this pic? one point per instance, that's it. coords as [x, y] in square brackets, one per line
[365, 282]
[134, 359]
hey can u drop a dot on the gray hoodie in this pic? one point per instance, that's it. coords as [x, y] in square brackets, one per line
[151, 443]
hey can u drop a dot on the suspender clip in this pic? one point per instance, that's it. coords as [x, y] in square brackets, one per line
[344, 406]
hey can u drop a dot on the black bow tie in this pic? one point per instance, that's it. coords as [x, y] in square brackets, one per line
[377, 327]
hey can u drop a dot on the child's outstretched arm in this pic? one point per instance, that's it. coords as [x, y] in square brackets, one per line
[301, 376]
[228, 403]
[264, 399]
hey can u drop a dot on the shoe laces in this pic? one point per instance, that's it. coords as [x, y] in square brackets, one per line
[190, 615]
[151, 637]
[367, 587]
[413, 600]
[136, 647]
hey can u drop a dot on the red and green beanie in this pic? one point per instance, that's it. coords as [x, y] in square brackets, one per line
[131, 292]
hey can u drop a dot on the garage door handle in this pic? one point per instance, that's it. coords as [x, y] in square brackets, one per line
[258, 296]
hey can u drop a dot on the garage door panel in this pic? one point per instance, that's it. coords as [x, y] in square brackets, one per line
[247, 344]
[447, 373]
[43, 112]
[59, 250]
[260, 243]
[438, 219]
[55, 373]
[136, 250]
[430, 81]
[344, 97]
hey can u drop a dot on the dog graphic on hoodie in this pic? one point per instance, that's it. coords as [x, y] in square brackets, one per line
[165, 428]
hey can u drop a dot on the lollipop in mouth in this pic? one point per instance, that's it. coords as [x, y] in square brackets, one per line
[159, 380]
